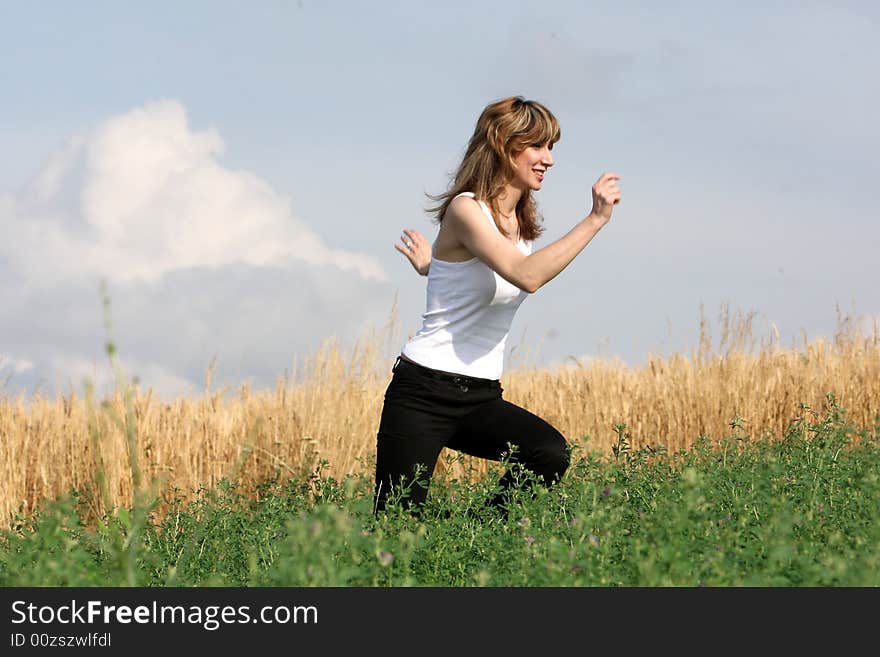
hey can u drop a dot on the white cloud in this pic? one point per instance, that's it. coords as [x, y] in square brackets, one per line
[14, 365]
[141, 195]
[201, 262]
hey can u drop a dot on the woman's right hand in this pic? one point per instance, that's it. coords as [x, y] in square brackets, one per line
[417, 250]
[606, 194]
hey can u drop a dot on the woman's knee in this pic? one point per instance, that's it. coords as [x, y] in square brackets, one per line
[560, 455]
[553, 453]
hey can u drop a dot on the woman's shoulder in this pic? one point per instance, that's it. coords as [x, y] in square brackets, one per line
[458, 199]
[460, 202]
[459, 207]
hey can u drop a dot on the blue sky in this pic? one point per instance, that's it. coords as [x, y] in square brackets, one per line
[238, 173]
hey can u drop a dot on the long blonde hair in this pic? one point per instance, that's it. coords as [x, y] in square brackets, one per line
[505, 128]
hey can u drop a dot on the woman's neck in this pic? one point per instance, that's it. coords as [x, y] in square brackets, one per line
[508, 199]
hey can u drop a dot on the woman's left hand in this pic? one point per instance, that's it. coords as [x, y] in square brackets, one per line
[417, 250]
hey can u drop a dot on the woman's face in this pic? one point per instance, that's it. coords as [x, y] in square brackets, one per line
[531, 165]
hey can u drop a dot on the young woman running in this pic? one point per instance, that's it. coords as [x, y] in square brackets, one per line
[445, 389]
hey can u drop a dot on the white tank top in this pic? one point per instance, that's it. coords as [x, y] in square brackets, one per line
[468, 313]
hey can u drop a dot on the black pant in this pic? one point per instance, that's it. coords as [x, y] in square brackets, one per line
[426, 410]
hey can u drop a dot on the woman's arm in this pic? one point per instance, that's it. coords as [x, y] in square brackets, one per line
[417, 249]
[530, 272]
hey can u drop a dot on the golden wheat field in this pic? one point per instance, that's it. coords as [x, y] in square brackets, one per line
[328, 410]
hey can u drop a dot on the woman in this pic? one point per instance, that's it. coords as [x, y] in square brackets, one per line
[445, 389]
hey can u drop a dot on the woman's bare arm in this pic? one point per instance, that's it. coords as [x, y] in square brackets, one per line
[529, 273]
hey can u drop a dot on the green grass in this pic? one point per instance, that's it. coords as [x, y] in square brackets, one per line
[802, 510]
